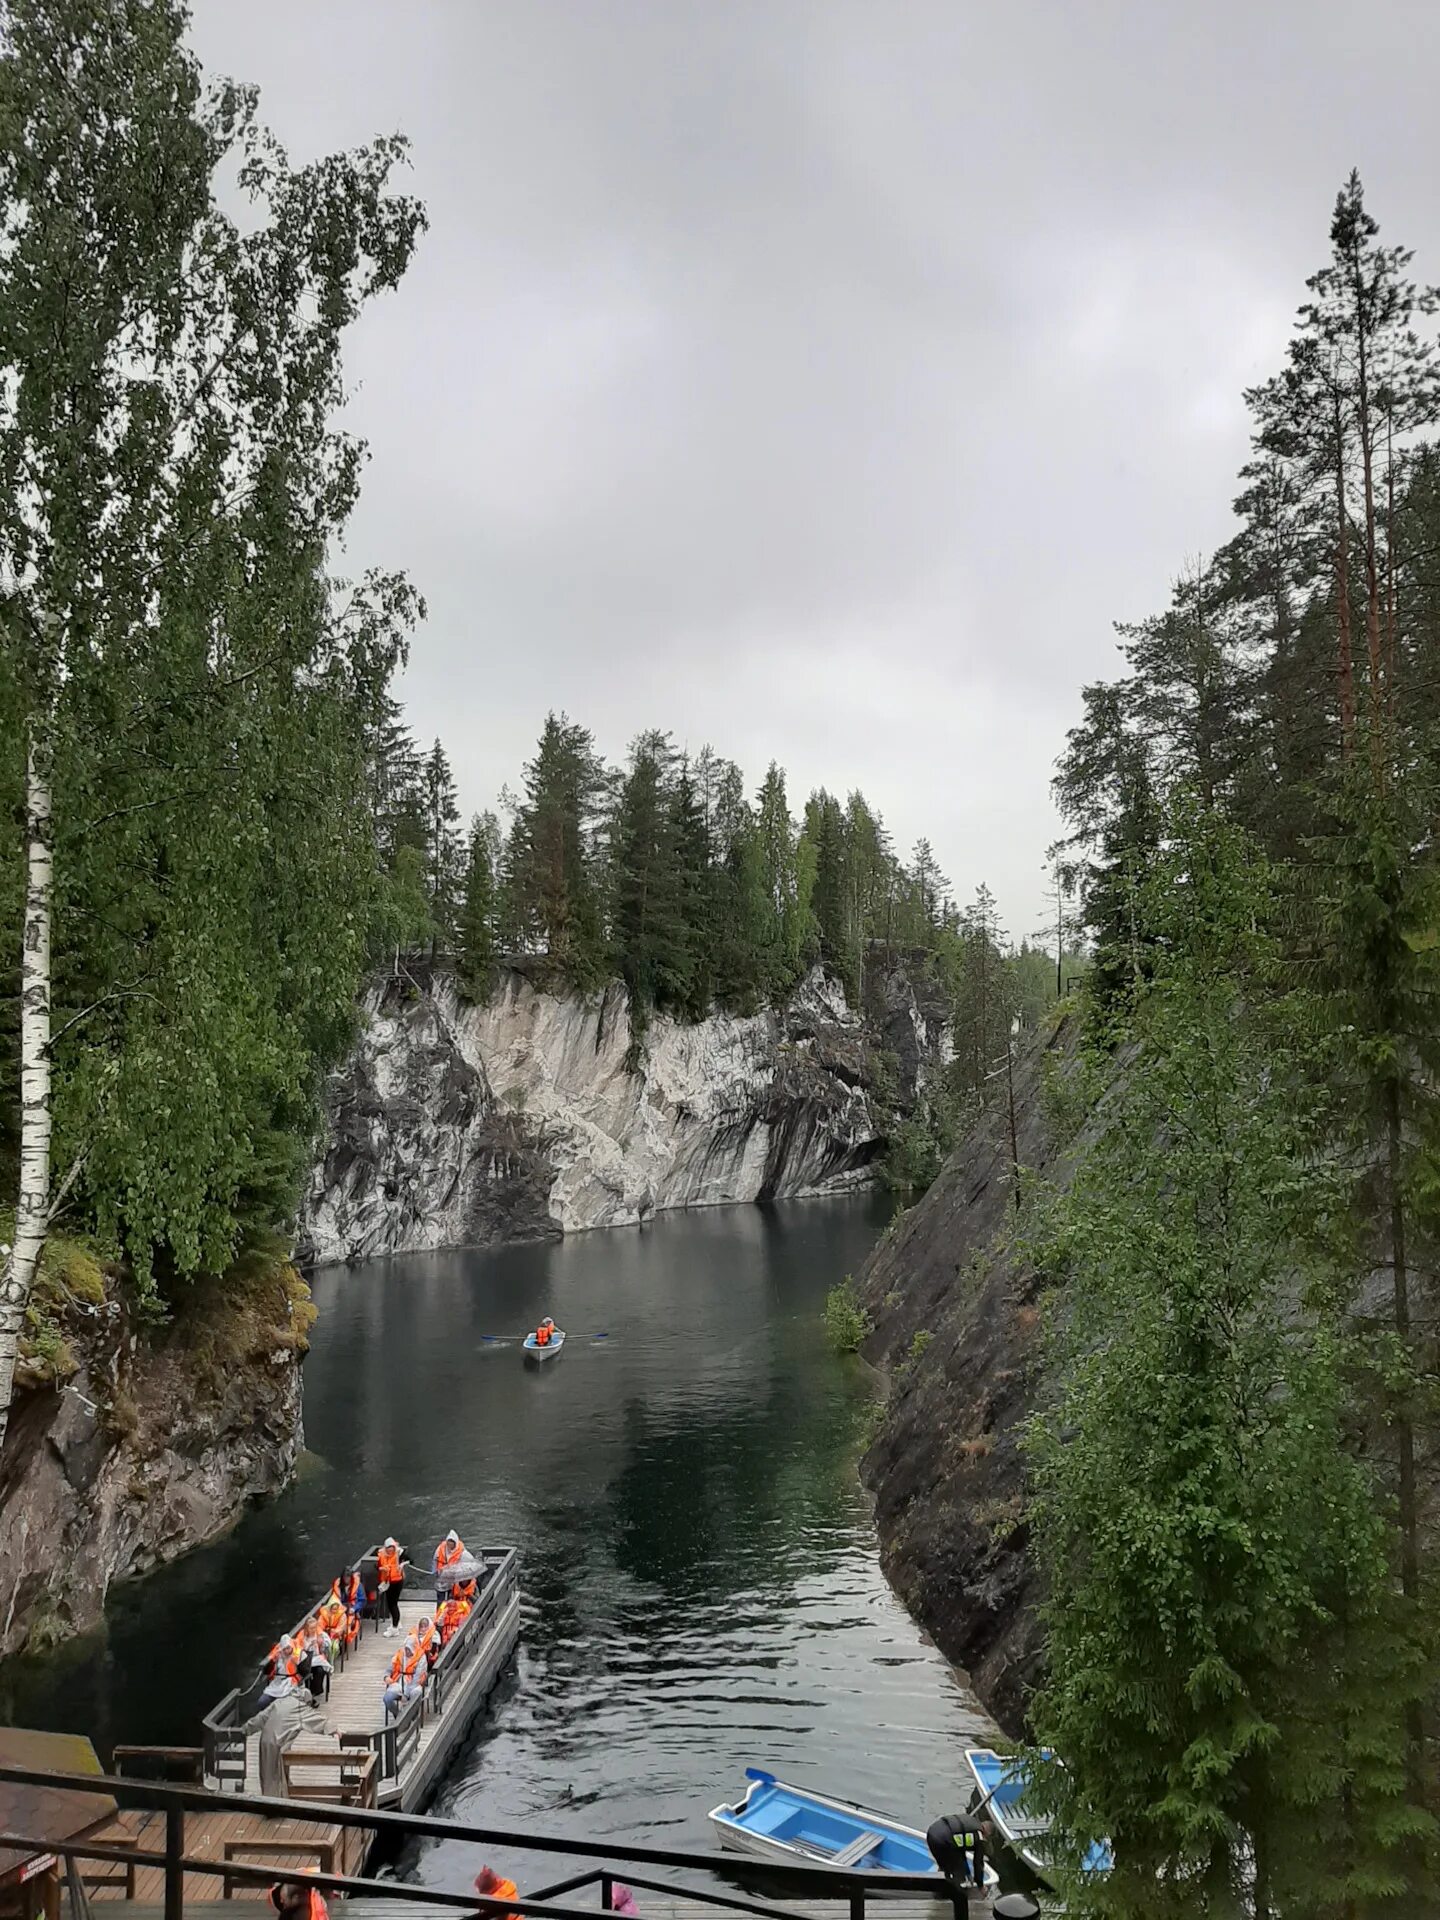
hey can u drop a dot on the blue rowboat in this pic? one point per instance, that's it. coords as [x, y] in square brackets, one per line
[1002, 1779]
[550, 1351]
[780, 1822]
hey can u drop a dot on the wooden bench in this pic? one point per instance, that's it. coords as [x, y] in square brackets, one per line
[349, 1778]
[181, 1764]
[95, 1874]
[281, 1853]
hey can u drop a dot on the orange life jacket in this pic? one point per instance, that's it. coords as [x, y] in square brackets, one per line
[503, 1890]
[331, 1618]
[349, 1590]
[445, 1553]
[542, 1336]
[314, 1908]
[453, 1616]
[405, 1665]
[285, 1665]
[465, 1590]
[389, 1565]
[428, 1641]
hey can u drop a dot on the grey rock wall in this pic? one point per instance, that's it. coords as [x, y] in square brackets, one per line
[458, 1125]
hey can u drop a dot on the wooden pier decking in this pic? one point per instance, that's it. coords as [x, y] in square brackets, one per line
[353, 1702]
[242, 1837]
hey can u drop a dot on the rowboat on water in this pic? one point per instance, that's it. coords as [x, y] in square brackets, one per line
[533, 1350]
[777, 1821]
[1002, 1781]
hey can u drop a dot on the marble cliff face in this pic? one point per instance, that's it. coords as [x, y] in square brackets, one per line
[462, 1125]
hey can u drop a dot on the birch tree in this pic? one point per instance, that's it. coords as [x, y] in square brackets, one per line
[181, 677]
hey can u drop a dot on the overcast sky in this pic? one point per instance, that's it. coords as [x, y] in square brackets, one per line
[823, 380]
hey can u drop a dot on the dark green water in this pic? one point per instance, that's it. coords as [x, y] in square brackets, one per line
[702, 1590]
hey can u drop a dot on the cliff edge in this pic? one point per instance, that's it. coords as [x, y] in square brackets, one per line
[955, 1324]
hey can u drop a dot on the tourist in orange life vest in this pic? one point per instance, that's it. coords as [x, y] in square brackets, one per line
[391, 1567]
[282, 1670]
[407, 1675]
[453, 1616]
[545, 1332]
[466, 1590]
[490, 1886]
[340, 1595]
[313, 1645]
[450, 1549]
[302, 1902]
[333, 1622]
[427, 1639]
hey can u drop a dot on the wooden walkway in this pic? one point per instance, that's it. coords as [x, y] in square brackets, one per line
[251, 1840]
[353, 1703]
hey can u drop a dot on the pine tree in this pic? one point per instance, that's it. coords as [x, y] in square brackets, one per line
[783, 937]
[552, 896]
[443, 847]
[648, 927]
[836, 922]
[476, 932]
[698, 898]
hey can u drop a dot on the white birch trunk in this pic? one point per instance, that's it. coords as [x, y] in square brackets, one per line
[32, 1212]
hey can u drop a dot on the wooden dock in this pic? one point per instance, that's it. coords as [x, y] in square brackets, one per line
[411, 1749]
[241, 1837]
[353, 1706]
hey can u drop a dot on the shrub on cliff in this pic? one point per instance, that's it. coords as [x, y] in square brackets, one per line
[846, 1321]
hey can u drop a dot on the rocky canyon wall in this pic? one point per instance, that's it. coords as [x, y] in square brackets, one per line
[463, 1125]
[125, 1449]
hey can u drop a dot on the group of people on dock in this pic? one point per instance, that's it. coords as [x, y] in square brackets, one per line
[414, 1660]
[308, 1657]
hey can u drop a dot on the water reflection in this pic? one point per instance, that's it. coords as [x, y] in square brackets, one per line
[701, 1586]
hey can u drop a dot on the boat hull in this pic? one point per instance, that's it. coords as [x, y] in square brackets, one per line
[791, 1825]
[552, 1349]
[1001, 1782]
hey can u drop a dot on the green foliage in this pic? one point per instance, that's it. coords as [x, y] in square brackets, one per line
[475, 941]
[1215, 1556]
[846, 1322]
[203, 694]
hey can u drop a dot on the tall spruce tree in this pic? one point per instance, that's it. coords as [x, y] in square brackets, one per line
[648, 923]
[1214, 1553]
[475, 936]
[444, 849]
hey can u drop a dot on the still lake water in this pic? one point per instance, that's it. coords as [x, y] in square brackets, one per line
[700, 1574]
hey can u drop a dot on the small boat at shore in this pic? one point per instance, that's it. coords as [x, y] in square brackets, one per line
[532, 1349]
[1002, 1781]
[777, 1821]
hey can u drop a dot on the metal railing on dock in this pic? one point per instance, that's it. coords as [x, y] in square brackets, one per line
[185, 1809]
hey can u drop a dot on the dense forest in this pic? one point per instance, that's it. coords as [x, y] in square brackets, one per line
[1235, 1475]
[665, 875]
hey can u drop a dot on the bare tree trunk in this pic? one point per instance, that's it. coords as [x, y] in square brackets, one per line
[1014, 1129]
[32, 1209]
[1405, 1425]
[1390, 568]
[1342, 590]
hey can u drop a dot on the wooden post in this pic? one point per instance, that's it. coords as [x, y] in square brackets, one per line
[174, 1853]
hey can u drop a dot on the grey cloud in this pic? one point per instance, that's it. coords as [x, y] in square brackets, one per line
[824, 379]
